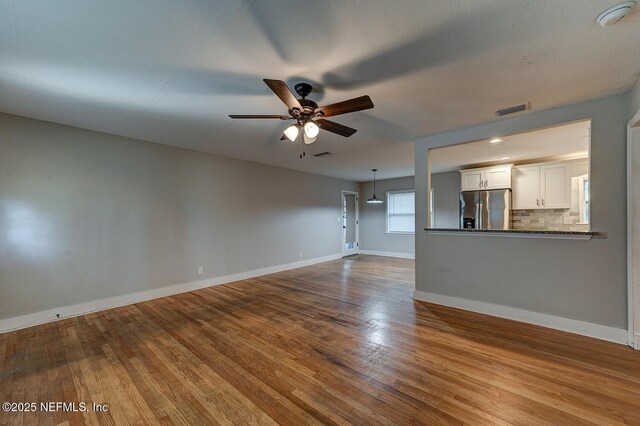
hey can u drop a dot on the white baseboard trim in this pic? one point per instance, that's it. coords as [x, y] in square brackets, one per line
[389, 254]
[51, 315]
[636, 342]
[602, 332]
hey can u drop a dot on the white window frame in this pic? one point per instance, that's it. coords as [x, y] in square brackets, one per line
[584, 219]
[386, 212]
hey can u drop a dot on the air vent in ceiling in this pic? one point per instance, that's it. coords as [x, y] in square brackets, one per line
[511, 110]
[322, 154]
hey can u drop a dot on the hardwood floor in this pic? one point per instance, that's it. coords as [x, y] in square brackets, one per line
[336, 343]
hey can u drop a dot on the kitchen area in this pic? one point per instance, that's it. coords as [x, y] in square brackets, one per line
[536, 182]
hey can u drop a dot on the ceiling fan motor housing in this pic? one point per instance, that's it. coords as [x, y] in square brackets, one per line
[303, 89]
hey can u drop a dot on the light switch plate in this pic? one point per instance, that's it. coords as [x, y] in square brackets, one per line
[200, 270]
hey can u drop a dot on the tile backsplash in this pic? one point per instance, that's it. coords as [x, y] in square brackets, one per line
[552, 219]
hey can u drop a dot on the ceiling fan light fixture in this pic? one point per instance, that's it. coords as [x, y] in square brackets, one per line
[311, 129]
[307, 139]
[292, 132]
[304, 111]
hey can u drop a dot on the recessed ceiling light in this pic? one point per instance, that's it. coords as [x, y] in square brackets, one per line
[615, 13]
[496, 140]
[505, 158]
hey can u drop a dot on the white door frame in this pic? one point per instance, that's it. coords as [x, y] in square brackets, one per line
[633, 235]
[356, 249]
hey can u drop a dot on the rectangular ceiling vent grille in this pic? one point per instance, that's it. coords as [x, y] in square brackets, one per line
[322, 154]
[511, 110]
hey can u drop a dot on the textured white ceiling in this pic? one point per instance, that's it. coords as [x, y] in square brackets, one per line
[566, 141]
[171, 72]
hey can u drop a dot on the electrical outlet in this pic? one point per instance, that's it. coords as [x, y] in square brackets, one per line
[200, 270]
[567, 221]
[541, 221]
[300, 254]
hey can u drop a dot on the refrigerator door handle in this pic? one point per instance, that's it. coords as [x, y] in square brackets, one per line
[477, 216]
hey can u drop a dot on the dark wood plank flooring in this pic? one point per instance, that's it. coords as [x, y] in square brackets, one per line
[336, 343]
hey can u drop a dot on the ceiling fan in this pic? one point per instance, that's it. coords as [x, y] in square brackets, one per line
[308, 115]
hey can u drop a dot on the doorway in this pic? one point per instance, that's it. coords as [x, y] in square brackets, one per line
[633, 229]
[350, 222]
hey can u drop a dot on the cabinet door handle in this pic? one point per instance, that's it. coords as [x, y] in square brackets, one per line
[543, 201]
[537, 201]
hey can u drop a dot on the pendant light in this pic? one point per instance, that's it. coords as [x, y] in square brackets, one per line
[374, 199]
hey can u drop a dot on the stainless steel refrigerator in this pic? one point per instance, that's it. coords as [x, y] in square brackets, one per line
[485, 209]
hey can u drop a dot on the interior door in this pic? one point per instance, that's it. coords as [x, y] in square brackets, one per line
[350, 232]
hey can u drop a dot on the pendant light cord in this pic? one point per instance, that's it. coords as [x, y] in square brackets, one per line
[374, 181]
[374, 184]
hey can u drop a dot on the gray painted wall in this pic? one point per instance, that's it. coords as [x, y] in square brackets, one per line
[584, 280]
[373, 218]
[446, 199]
[87, 215]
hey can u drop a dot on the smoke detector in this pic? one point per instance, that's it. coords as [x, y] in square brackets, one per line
[615, 13]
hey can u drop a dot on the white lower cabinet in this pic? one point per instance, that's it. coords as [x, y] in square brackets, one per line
[542, 186]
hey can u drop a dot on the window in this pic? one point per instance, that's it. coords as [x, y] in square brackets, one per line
[401, 215]
[431, 217]
[583, 198]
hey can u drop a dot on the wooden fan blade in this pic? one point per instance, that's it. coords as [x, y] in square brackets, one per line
[333, 127]
[281, 90]
[344, 107]
[277, 117]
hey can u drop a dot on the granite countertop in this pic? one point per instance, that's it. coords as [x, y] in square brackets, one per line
[513, 231]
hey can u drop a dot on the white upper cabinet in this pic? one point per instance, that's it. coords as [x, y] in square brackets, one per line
[498, 177]
[542, 186]
[526, 187]
[472, 180]
[555, 186]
